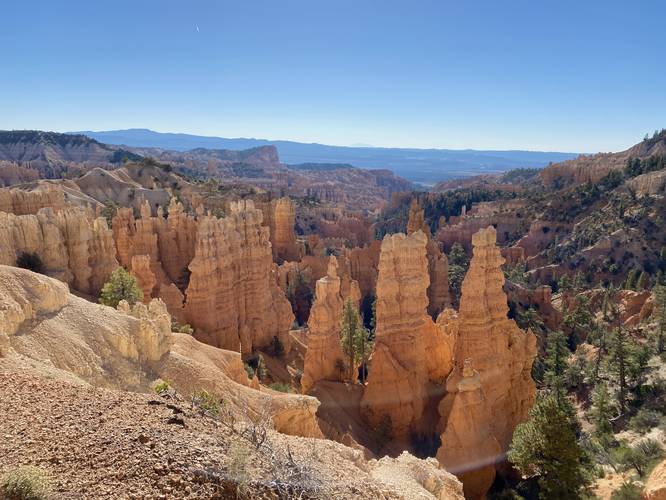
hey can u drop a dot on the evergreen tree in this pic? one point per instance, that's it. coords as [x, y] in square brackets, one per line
[557, 354]
[530, 319]
[564, 284]
[602, 411]
[355, 342]
[632, 279]
[660, 312]
[579, 282]
[619, 358]
[545, 446]
[579, 320]
[643, 282]
[121, 286]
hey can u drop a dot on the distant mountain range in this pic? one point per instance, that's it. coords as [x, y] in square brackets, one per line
[424, 166]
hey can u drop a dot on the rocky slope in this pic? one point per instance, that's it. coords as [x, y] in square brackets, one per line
[51, 153]
[592, 168]
[110, 443]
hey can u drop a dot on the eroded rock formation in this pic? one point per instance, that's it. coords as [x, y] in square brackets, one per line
[72, 245]
[324, 358]
[25, 202]
[491, 383]
[655, 487]
[233, 299]
[280, 217]
[410, 350]
[438, 264]
[69, 336]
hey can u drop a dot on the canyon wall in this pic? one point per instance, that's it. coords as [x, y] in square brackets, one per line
[25, 202]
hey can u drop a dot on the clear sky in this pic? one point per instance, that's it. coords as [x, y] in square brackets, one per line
[584, 75]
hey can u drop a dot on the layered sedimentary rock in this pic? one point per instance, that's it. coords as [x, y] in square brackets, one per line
[410, 351]
[25, 202]
[502, 355]
[324, 357]
[280, 217]
[158, 251]
[469, 449]
[72, 245]
[364, 266]
[233, 299]
[655, 487]
[438, 264]
[146, 279]
[48, 331]
[11, 173]
[68, 336]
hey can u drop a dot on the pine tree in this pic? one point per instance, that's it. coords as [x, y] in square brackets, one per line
[545, 446]
[579, 282]
[660, 311]
[355, 342]
[632, 278]
[620, 351]
[643, 282]
[557, 354]
[579, 320]
[602, 411]
[121, 286]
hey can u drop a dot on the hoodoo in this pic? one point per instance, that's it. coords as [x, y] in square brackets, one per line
[324, 354]
[438, 264]
[233, 299]
[410, 350]
[491, 385]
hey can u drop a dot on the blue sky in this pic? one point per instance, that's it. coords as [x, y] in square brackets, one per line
[541, 75]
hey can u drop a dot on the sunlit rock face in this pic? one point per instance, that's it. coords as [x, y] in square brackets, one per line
[280, 217]
[438, 264]
[168, 242]
[27, 202]
[233, 299]
[324, 358]
[410, 350]
[497, 356]
[72, 245]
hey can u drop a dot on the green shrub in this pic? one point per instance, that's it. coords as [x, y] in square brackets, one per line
[109, 212]
[641, 457]
[280, 387]
[121, 286]
[249, 370]
[206, 402]
[30, 261]
[628, 491]
[645, 420]
[161, 387]
[25, 483]
[184, 328]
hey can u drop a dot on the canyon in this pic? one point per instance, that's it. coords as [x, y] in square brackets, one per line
[244, 284]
